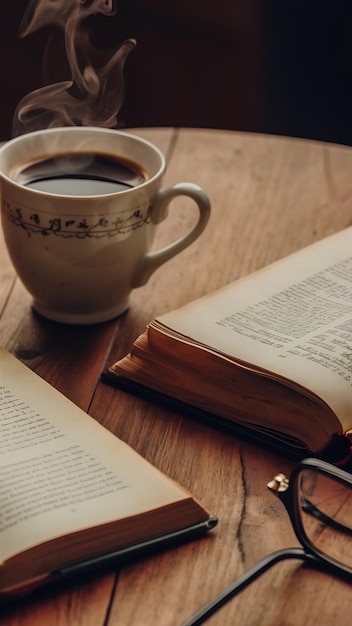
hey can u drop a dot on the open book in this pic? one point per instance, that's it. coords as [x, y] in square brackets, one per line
[270, 353]
[72, 495]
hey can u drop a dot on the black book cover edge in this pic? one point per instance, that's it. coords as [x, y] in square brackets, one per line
[111, 559]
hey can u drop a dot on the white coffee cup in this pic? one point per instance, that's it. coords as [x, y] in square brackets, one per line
[80, 256]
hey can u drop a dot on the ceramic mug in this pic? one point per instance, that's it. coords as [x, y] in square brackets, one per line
[80, 251]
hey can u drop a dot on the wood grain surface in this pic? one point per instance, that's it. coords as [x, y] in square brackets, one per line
[270, 196]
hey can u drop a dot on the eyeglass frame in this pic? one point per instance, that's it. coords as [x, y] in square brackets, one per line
[289, 497]
[286, 490]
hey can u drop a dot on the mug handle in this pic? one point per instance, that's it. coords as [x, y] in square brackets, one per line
[158, 213]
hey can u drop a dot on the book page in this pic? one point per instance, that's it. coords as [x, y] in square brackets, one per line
[292, 318]
[60, 470]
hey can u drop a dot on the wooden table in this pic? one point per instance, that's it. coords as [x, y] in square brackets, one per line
[270, 196]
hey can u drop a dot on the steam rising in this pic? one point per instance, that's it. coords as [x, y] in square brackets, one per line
[94, 94]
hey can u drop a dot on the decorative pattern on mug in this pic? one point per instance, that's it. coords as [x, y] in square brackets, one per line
[79, 227]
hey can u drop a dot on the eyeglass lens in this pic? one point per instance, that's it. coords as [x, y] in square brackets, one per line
[326, 515]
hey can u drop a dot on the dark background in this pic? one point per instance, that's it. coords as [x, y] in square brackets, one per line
[276, 66]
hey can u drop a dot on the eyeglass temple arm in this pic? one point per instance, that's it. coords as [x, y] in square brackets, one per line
[311, 509]
[244, 580]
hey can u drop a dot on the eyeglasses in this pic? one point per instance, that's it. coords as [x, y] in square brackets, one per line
[318, 500]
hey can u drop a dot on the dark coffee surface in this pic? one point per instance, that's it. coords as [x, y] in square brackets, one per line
[82, 174]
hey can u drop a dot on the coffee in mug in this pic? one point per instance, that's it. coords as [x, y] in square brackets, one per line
[81, 174]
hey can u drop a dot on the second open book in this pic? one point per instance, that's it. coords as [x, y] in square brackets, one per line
[271, 353]
[73, 496]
